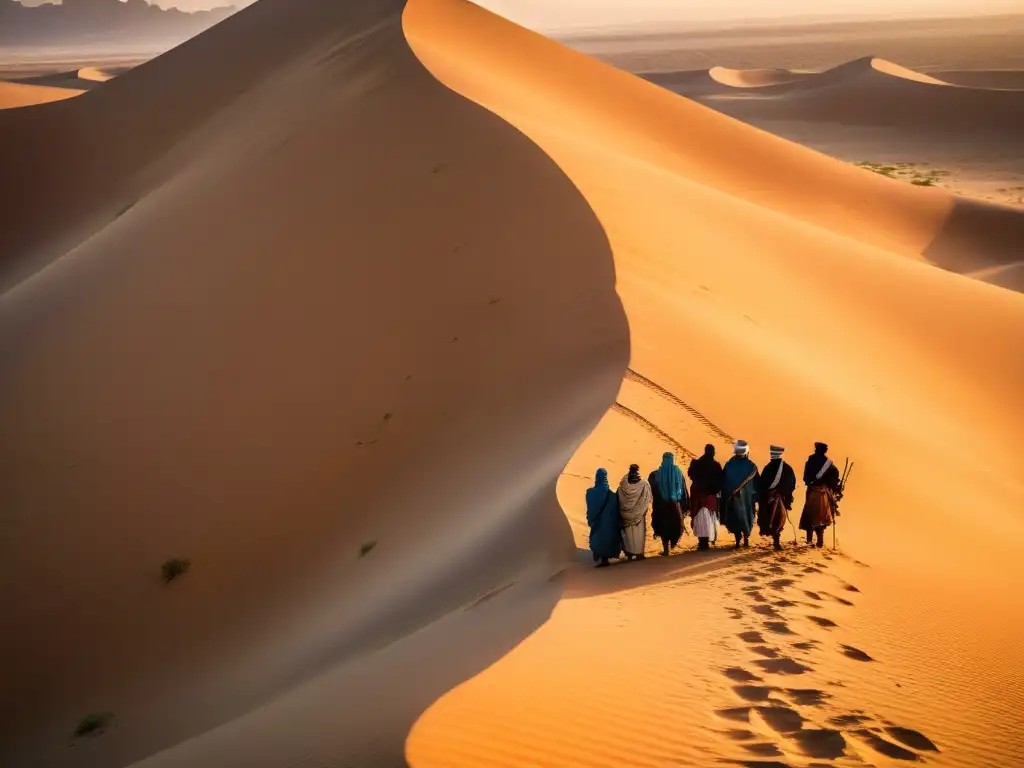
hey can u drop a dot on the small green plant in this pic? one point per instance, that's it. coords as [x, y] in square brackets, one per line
[174, 568]
[93, 724]
[365, 549]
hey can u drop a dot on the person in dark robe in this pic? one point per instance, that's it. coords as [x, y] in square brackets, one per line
[823, 493]
[669, 497]
[634, 499]
[604, 521]
[775, 489]
[739, 494]
[705, 475]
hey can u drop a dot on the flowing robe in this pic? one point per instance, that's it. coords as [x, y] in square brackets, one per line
[634, 499]
[739, 493]
[776, 486]
[706, 476]
[822, 479]
[666, 518]
[605, 523]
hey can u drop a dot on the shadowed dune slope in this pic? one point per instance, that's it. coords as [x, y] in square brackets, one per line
[765, 290]
[26, 94]
[318, 324]
[1001, 79]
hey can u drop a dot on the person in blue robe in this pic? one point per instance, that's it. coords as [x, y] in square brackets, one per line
[670, 498]
[739, 494]
[604, 521]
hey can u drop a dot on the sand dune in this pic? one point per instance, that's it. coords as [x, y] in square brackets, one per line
[337, 356]
[763, 308]
[333, 355]
[754, 78]
[873, 92]
[25, 95]
[83, 79]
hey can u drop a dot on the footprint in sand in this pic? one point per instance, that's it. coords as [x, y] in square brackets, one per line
[764, 650]
[765, 610]
[751, 637]
[737, 734]
[735, 714]
[806, 645]
[780, 583]
[911, 738]
[848, 721]
[824, 743]
[735, 613]
[840, 600]
[783, 603]
[807, 697]
[754, 692]
[812, 595]
[782, 666]
[748, 578]
[854, 653]
[740, 675]
[763, 749]
[884, 747]
[823, 622]
[778, 627]
[781, 719]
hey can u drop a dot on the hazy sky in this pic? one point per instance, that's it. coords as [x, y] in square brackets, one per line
[567, 15]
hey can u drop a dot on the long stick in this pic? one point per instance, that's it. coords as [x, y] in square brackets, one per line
[847, 467]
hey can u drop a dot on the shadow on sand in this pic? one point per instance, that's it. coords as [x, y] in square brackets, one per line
[584, 580]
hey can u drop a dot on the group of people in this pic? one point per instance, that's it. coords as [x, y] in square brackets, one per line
[736, 495]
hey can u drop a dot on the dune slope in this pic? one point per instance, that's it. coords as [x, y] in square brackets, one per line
[25, 95]
[306, 317]
[767, 291]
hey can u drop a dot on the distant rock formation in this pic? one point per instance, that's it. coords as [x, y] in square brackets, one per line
[94, 22]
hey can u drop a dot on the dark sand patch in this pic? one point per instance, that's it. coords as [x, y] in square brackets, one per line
[855, 653]
[914, 739]
[824, 743]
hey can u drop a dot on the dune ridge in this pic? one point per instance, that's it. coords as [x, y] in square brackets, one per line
[285, 334]
[14, 95]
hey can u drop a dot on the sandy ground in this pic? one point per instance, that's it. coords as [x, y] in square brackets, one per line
[340, 361]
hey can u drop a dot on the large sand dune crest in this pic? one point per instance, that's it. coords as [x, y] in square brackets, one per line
[315, 303]
[781, 295]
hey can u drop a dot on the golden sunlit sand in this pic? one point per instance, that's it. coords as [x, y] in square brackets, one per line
[348, 328]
